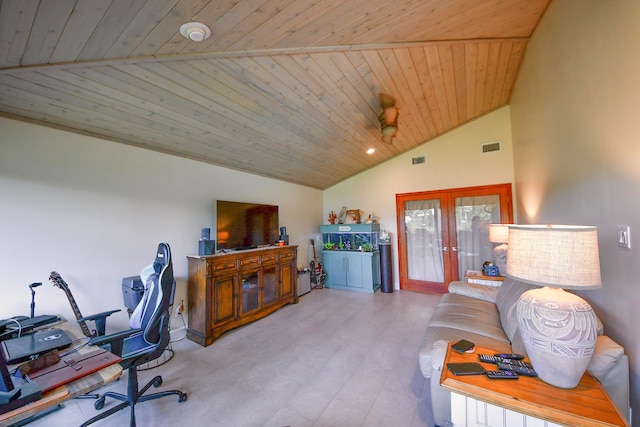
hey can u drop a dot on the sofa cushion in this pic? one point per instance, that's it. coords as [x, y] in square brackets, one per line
[474, 290]
[506, 303]
[605, 356]
[469, 315]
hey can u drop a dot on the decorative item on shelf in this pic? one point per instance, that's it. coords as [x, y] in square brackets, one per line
[385, 238]
[488, 269]
[342, 216]
[499, 233]
[354, 215]
[558, 328]
[332, 217]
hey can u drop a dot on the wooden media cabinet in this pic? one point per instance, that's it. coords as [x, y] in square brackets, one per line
[233, 289]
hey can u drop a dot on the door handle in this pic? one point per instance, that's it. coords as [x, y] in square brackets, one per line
[445, 249]
[454, 249]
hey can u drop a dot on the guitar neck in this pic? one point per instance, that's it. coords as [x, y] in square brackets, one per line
[76, 311]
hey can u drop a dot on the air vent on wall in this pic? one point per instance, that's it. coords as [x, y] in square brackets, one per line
[418, 160]
[490, 146]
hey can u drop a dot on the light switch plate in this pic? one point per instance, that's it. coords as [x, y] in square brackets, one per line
[624, 236]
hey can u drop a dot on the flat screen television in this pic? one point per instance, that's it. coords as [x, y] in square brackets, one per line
[245, 225]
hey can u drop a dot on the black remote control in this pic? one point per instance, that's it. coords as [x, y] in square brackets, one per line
[502, 375]
[513, 356]
[522, 370]
[513, 362]
[489, 359]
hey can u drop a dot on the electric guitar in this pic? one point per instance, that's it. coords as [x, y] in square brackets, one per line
[317, 273]
[60, 283]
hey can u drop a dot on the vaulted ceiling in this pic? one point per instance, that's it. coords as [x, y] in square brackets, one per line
[287, 89]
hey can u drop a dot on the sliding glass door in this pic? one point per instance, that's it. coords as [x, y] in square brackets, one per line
[443, 234]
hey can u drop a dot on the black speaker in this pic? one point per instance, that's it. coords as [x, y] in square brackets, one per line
[206, 247]
[205, 234]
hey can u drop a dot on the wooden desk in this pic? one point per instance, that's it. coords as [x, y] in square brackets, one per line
[478, 400]
[481, 279]
[68, 391]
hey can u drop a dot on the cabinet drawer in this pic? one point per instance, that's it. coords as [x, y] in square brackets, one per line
[249, 262]
[269, 258]
[283, 256]
[217, 267]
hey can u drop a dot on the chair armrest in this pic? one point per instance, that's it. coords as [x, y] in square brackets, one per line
[114, 341]
[100, 320]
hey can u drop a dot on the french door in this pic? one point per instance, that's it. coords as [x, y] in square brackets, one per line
[442, 234]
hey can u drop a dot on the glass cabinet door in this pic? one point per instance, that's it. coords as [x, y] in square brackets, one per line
[250, 288]
[269, 285]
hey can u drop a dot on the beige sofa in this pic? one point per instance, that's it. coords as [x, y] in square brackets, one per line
[486, 316]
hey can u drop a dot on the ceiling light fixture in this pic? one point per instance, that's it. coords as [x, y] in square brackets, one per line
[195, 31]
[371, 150]
[388, 118]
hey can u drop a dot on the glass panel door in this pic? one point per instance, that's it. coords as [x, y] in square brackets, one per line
[442, 234]
[473, 216]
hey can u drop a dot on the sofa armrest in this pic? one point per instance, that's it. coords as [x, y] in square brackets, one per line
[474, 290]
[610, 366]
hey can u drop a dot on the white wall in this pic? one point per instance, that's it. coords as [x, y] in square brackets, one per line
[453, 160]
[576, 143]
[94, 211]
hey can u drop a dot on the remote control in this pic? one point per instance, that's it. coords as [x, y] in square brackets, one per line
[513, 362]
[489, 359]
[514, 356]
[522, 370]
[502, 375]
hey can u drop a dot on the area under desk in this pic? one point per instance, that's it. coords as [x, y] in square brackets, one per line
[68, 391]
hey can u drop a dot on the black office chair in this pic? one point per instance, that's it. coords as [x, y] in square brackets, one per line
[147, 339]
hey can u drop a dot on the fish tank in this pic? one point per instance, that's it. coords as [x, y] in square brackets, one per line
[350, 237]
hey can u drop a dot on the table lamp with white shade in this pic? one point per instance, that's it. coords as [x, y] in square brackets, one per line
[559, 329]
[499, 233]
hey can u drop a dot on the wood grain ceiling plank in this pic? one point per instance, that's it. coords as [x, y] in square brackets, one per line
[517, 55]
[437, 80]
[50, 20]
[482, 57]
[150, 15]
[266, 35]
[205, 92]
[471, 62]
[424, 87]
[319, 20]
[414, 102]
[242, 36]
[460, 81]
[277, 82]
[15, 21]
[501, 74]
[228, 22]
[114, 22]
[445, 56]
[82, 22]
[492, 70]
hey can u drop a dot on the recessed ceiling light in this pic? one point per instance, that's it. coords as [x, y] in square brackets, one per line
[195, 31]
[371, 150]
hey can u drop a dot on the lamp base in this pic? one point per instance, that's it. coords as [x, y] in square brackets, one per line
[559, 331]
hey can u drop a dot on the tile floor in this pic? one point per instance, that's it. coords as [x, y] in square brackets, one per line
[337, 358]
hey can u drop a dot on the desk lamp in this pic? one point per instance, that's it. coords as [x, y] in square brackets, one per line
[499, 233]
[559, 328]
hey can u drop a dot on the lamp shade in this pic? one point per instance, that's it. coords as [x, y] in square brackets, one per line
[498, 233]
[561, 256]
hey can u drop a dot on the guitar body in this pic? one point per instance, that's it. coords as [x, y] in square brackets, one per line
[59, 282]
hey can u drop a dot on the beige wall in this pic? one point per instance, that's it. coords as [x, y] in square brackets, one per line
[453, 160]
[95, 211]
[576, 137]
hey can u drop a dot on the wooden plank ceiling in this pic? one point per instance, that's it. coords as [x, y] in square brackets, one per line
[283, 88]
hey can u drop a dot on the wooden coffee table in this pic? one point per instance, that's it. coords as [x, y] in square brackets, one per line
[478, 400]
